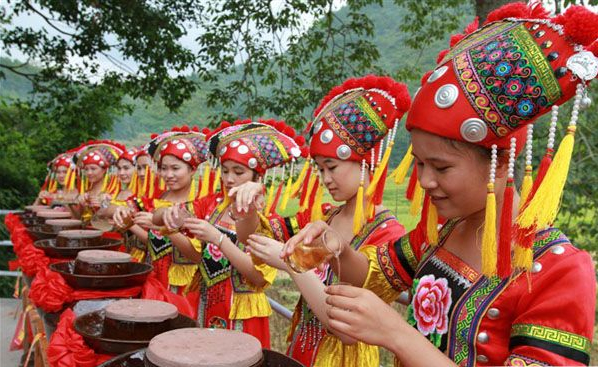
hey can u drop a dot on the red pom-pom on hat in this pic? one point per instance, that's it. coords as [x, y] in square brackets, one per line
[518, 10]
[300, 140]
[395, 90]
[580, 24]
[455, 39]
[473, 26]
[441, 55]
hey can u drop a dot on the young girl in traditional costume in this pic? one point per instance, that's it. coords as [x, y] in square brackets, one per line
[231, 286]
[499, 285]
[177, 153]
[98, 184]
[135, 237]
[60, 182]
[347, 142]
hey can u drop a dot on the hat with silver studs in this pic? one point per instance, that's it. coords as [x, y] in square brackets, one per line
[496, 79]
[355, 116]
[185, 143]
[258, 145]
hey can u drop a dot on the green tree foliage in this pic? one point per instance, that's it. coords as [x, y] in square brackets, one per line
[147, 33]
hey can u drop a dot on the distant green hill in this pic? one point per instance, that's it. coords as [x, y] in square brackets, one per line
[154, 117]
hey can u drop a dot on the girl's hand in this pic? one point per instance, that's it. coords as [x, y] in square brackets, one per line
[168, 217]
[144, 220]
[202, 230]
[360, 314]
[314, 231]
[267, 250]
[248, 196]
[119, 216]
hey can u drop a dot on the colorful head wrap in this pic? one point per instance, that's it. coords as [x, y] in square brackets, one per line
[104, 153]
[497, 79]
[130, 155]
[354, 117]
[184, 143]
[257, 145]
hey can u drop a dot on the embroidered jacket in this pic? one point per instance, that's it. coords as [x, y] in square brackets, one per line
[225, 295]
[540, 320]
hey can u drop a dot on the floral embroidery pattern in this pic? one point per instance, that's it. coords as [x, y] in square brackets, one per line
[428, 310]
[212, 251]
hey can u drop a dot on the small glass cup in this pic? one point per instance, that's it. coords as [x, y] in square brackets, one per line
[182, 213]
[309, 256]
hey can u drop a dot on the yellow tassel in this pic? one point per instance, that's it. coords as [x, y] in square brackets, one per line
[358, 215]
[316, 210]
[83, 184]
[131, 186]
[544, 206]
[191, 195]
[416, 203]
[310, 187]
[162, 184]
[137, 254]
[205, 182]
[370, 209]
[379, 171]
[297, 185]
[151, 185]
[270, 198]
[489, 235]
[104, 183]
[73, 181]
[144, 187]
[286, 195]
[526, 185]
[216, 180]
[400, 173]
[52, 185]
[522, 258]
[225, 200]
[432, 225]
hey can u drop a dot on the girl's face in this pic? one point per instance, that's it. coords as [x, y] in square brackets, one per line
[61, 175]
[142, 162]
[341, 178]
[125, 171]
[235, 174]
[454, 177]
[94, 173]
[176, 173]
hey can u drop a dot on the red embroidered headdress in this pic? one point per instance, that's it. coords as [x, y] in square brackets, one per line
[184, 143]
[351, 123]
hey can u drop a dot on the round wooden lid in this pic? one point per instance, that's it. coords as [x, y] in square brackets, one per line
[64, 222]
[141, 310]
[194, 347]
[79, 233]
[103, 256]
[53, 214]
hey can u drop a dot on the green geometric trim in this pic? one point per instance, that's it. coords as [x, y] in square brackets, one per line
[551, 335]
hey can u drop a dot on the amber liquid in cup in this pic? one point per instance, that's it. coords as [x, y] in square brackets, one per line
[309, 256]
